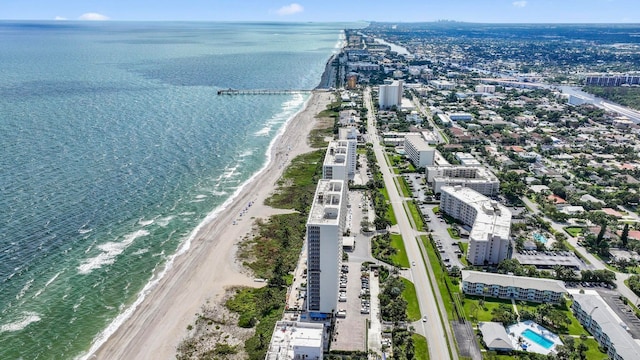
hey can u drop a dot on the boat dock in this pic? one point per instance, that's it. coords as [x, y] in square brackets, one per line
[261, 92]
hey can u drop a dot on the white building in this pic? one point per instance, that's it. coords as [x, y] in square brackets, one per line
[484, 88]
[467, 159]
[490, 221]
[575, 99]
[340, 160]
[605, 326]
[294, 340]
[512, 287]
[418, 150]
[324, 245]
[477, 178]
[461, 116]
[390, 94]
[443, 84]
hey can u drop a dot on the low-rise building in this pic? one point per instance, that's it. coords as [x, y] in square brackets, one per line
[512, 287]
[294, 340]
[489, 241]
[605, 326]
[495, 336]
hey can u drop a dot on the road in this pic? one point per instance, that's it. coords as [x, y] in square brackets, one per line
[434, 327]
[595, 262]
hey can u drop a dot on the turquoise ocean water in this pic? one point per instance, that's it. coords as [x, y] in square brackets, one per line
[115, 147]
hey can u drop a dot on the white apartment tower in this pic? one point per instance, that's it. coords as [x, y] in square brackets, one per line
[325, 226]
[340, 160]
[350, 135]
[418, 150]
[390, 94]
[490, 221]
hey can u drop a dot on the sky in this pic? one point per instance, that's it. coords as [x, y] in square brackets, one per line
[485, 11]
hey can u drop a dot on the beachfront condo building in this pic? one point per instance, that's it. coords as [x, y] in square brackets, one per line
[390, 94]
[490, 223]
[477, 178]
[350, 134]
[418, 150]
[340, 160]
[325, 227]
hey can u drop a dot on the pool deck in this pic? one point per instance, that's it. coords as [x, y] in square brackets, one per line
[516, 330]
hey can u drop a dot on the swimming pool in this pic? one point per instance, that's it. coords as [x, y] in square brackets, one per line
[540, 237]
[537, 338]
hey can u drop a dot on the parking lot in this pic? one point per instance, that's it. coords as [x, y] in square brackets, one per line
[612, 298]
[350, 330]
[447, 246]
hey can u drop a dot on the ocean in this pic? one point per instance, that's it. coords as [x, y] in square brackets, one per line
[115, 147]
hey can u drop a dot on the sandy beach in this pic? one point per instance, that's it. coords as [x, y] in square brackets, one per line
[159, 323]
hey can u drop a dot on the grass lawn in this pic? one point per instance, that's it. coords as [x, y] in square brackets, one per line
[404, 187]
[594, 352]
[453, 233]
[391, 216]
[574, 231]
[471, 307]
[440, 276]
[420, 346]
[415, 214]
[409, 294]
[399, 258]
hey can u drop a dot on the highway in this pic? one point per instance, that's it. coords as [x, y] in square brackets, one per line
[433, 327]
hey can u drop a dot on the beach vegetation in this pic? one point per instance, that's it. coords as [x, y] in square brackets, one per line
[298, 183]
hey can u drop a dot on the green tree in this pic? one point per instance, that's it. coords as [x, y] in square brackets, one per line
[624, 238]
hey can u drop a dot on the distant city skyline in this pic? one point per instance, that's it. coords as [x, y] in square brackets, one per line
[489, 11]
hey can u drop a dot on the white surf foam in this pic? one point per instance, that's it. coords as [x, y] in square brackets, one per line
[25, 319]
[47, 284]
[143, 222]
[84, 231]
[24, 289]
[141, 251]
[164, 222]
[109, 251]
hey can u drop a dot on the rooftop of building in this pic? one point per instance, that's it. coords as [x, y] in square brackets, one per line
[336, 153]
[290, 334]
[418, 142]
[327, 202]
[479, 277]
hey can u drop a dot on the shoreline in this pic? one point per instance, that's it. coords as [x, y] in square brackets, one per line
[153, 326]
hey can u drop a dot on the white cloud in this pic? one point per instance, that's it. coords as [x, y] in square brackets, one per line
[60, 18]
[93, 17]
[290, 9]
[520, 3]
